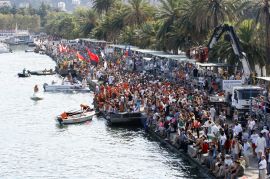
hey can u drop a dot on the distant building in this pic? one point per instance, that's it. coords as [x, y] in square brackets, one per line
[5, 4]
[62, 6]
[76, 2]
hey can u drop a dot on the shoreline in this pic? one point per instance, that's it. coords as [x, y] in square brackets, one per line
[169, 144]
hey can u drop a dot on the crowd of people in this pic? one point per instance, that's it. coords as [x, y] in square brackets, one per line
[179, 110]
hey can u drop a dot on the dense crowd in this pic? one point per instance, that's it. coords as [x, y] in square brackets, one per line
[179, 110]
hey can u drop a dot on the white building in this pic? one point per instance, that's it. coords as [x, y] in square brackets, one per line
[76, 2]
[5, 4]
[62, 6]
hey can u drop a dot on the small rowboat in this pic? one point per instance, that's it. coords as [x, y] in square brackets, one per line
[23, 75]
[75, 117]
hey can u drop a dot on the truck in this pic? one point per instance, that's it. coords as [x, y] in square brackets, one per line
[238, 93]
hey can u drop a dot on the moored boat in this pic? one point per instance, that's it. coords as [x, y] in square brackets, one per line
[66, 87]
[42, 72]
[23, 75]
[75, 117]
[29, 50]
[122, 118]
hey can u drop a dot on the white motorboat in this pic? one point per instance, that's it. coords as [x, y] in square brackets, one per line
[66, 87]
[75, 117]
[4, 48]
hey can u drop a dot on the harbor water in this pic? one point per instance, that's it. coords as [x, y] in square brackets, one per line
[33, 146]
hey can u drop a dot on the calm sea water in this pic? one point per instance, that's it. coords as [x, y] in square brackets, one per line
[33, 146]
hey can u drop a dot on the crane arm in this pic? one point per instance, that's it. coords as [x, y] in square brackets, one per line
[218, 32]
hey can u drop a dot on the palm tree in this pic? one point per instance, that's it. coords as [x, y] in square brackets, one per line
[138, 12]
[208, 14]
[102, 6]
[110, 25]
[263, 18]
[86, 19]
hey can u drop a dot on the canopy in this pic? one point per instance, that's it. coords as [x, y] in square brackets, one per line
[212, 64]
[264, 78]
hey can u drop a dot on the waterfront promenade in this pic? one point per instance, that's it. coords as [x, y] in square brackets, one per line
[174, 108]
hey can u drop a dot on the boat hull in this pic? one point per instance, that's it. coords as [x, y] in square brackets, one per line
[75, 119]
[65, 88]
[21, 75]
[40, 73]
[126, 118]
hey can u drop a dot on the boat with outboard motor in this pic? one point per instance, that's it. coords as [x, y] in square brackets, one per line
[66, 86]
[74, 117]
[24, 75]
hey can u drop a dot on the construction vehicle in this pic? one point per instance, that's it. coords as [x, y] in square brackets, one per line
[238, 97]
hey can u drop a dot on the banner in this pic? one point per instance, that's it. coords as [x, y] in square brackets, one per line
[227, 85]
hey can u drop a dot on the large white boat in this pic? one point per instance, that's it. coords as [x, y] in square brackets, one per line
[66, 87]
[4, 48]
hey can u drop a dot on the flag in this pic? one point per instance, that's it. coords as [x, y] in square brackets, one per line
[80, 57]
[92, 56]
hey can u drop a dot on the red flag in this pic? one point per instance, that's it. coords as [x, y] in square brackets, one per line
[60, 48]
[92, 56]
[80, 57]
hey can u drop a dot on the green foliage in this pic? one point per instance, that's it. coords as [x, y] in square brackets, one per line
[172, 25]
[9, 21]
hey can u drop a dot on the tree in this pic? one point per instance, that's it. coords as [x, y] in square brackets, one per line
[208, 14]
[138, 12]
[169, 14]
[263, 18]
[86, 19]
[102, 6]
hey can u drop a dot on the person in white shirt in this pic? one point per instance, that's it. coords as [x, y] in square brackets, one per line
[262, 168]
[222, 140]
[246, 151]
[212, 113]
[251, 124]
[214, 130]
[237, 129]
[261, 144]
